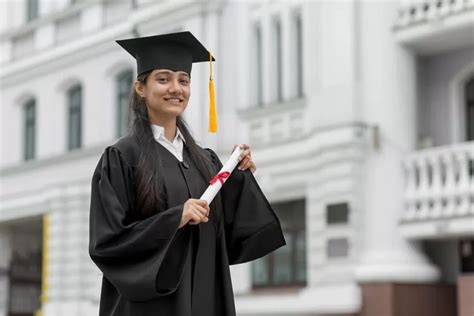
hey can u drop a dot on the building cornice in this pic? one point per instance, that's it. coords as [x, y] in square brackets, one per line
[85, 45]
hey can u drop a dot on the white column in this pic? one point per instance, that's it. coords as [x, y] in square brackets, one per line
[5, 257]
[388, 84]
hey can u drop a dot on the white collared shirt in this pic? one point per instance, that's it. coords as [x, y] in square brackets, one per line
[175, 147]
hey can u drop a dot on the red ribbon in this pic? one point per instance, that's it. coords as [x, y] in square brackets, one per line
[220, 176]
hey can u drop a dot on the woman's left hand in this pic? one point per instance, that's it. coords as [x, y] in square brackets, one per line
[245, 158]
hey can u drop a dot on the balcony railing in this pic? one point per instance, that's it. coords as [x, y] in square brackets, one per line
[425, 11]
[429, 27]
[439, 183]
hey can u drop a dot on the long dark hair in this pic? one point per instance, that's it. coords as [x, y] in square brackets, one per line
[148, 175]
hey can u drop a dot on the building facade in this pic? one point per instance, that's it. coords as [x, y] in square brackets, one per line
[360, 115]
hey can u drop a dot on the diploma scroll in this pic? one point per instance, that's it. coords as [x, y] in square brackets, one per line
[221, 177]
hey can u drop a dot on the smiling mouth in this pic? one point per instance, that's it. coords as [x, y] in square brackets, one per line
[174, 100]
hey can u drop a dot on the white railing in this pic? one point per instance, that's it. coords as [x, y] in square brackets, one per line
[439, 183]
[415, 12]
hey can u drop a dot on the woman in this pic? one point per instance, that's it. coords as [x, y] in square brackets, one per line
[163, 251]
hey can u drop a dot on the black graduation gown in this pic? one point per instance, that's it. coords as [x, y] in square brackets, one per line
[152, 267]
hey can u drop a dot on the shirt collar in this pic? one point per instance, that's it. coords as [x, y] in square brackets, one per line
[158, 133]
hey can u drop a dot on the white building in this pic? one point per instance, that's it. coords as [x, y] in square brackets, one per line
[360, 115]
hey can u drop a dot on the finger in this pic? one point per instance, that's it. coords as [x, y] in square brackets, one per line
[199, 204]
[245, 153]
[193, 222]
[247, 165]
[253, 167]
[244, 164]
[203, 203]
[201, 210]
[199, 217]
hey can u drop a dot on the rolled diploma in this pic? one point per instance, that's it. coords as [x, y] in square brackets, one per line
[229, 166]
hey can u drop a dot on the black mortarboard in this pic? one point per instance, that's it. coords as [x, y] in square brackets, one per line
[173, 51]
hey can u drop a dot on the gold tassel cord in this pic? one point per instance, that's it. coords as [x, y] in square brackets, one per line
[212, 101]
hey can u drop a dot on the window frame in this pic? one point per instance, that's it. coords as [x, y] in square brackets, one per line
[469, 109]
[277, 54]
[29, 130]
[295, 230]
[257, 88]
[32, 10]
[74, 111]
[297, 27]
[121, 127]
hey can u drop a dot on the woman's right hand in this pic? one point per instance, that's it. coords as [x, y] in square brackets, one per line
[195, 211]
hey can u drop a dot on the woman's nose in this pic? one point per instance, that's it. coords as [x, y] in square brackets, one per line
[174, 87]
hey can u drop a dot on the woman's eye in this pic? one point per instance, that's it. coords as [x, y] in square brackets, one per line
[162, 79]
[185, 81]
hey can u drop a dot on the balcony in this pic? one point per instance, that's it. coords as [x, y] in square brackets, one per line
[439, 192]
[431, 27]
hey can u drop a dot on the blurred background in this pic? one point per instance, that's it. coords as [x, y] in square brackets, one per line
[361, 118]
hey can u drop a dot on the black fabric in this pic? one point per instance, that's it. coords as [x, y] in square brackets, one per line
[152, 267]
[174, 51]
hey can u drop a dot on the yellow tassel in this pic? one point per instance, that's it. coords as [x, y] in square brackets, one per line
[212, 102]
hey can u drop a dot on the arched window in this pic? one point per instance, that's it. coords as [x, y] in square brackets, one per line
[74, 99]
[470, 109]
[123, 83]
[29, 129]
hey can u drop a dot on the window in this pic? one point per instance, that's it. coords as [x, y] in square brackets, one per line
[297, 56]
[287, 265]
[257, 69]
[337, 213]
[277, 84]
[29, 129]
[123, 85]
[32, 10]
[470, 110]
[75, 120]
[466, 255]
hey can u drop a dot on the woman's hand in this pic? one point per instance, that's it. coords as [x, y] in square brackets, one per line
[195, 212]
[246, 159]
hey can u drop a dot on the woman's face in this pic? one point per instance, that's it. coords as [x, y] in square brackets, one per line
[166, 93]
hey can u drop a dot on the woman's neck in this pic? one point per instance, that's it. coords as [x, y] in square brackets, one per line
[169, 126]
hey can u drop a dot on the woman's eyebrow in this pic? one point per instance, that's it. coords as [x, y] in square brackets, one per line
[181, 73]
[162, 72]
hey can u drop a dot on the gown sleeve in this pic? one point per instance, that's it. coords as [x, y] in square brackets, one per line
[252, 229]
[135, 256]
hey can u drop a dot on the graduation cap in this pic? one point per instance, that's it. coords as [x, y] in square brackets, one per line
[174, 51]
